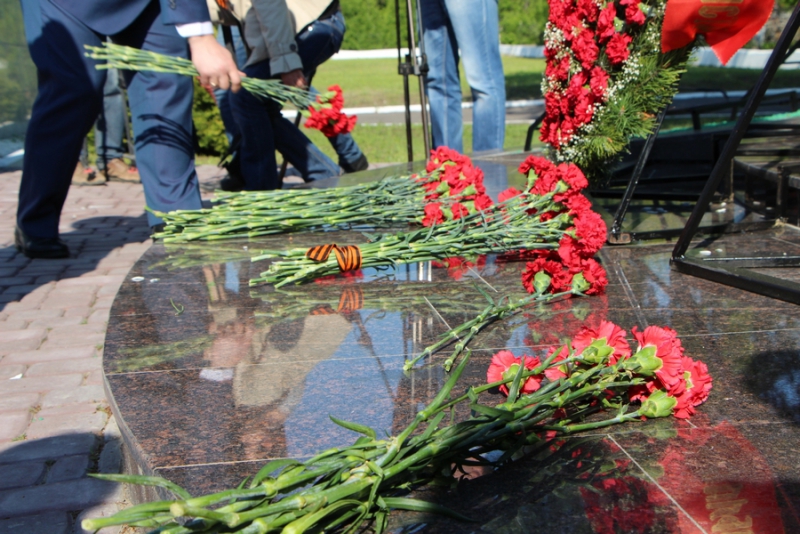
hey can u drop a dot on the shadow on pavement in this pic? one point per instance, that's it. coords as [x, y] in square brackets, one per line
[44, 485]
[89, 242]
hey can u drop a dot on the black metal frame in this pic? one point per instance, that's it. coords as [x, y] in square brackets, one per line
[737, 272]
[413, 65]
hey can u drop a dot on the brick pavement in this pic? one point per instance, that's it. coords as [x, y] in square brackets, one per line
[54, 418]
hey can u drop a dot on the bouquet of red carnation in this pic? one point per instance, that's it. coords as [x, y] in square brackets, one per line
[606, 78]
[326, 114]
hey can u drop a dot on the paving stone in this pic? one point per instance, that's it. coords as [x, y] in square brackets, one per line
[8, 271]
[84, 365]
[95, 378]
[48, 448]
[40, 384]
[81, 311]
[8, 372]
[70, 495]
[41, 523]
[13, 324]
[14, 424]
[94, 280]
[99, 315]
[62, 300]
[68, 468]
[74, 331]
[110, 460]
[50, 424]
[57, 322]
[11, 298]
[27, 339]
[103, 302]
[21, 474]
[18, 402]
[30, 357]
[32, 315]
[74, 395]
[74, 341]
[16, 280]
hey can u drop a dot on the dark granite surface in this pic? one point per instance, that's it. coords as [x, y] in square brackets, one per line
[211, 378]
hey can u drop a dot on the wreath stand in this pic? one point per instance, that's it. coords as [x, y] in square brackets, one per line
[738, 271]
[413, 64]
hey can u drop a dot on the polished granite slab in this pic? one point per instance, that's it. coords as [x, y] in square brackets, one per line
[210, 378]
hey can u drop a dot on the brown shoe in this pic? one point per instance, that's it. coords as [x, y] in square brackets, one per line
[86, 176]
[118, 171]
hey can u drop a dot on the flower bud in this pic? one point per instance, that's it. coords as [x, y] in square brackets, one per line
[443, 188]
[645, 362]
[579, 283]
[541, 281]
[598, 352]
[470, 190]
[658, 404]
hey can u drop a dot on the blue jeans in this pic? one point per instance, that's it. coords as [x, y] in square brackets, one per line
[471, 26]
[265, 130]
[110, 126]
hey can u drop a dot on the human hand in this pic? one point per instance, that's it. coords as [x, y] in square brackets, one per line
[294, 78]
[214, 63]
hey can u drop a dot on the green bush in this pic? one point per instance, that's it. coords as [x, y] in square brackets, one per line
[211, 140]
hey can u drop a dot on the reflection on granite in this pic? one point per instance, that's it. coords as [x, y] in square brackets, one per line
[211, 377]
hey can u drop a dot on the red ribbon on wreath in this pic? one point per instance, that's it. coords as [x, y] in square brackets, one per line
[726, 24]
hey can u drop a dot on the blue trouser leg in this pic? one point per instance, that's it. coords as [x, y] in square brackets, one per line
[442, 81]
[264, 130]
[68, 101]
[110, 126]
[161, 109]
[476, 27]
[223, 95]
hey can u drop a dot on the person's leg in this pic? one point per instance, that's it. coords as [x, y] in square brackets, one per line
[442, 82]
[110, 126]
[316, 44]
[223, 95]
[66, 105]
[257, 148]
[310, 161]
[161, 107]
[475, 23]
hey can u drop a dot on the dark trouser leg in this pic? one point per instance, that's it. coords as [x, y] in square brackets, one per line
[68, 102]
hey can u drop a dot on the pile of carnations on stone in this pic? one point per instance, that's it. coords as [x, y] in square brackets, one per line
[550, 221]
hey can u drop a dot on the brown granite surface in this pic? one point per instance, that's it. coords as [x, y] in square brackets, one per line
[211, 378]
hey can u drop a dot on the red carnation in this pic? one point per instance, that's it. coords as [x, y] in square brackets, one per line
[483, 202]
[585, 49]
[598, 82]
[617, 48]
[326, 114]
[554, 373]
[595, 275]
[698, 386]
[633, 15]
[459, 210]
[668, 350]
[605, 23]
[433, 214]
[613, 334]
[504, 366]
[591, 231]
[508, 193]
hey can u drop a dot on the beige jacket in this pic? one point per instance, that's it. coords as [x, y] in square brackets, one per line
[270, 27]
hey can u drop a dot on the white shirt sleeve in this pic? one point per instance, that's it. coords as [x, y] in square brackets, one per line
[194, 29]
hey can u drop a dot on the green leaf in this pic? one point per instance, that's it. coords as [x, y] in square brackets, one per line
[415, 505]
[270, 468]
[355, 427]
[492, 412]
[141, 480]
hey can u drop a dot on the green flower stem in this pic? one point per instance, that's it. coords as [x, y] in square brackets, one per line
[127, 58]
[503, 228]
[487, 316]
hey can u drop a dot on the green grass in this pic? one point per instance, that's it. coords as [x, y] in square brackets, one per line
[375, 82]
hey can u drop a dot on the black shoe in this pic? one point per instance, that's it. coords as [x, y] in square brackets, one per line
[231, 183]
[40, 247]
[361, 164]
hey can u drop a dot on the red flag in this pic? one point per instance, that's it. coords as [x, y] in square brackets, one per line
[726, 24]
